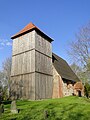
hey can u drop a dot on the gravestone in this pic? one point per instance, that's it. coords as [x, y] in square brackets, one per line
[0, 98]
[1, 109]
[45, 114]
[14, 107]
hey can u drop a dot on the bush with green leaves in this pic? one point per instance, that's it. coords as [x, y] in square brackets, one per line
[87, 90]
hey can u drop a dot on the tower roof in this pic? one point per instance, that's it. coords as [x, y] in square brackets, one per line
[29, 28]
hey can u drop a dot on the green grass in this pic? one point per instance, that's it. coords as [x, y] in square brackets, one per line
[67, 108]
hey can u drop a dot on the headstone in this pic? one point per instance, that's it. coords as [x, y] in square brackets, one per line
[1, 109]
[45, 114]
[13, 107]
[0, 98]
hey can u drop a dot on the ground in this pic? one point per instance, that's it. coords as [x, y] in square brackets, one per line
[67, 108]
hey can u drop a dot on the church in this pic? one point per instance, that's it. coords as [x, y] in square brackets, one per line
[38, 73]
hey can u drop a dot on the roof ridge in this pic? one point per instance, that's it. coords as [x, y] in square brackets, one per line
[26, 28]
[29, 27]
[59, 57]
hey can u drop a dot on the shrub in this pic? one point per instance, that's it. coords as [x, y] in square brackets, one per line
[87, 90]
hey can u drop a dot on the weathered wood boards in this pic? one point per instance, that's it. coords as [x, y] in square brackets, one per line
[43, 86]
[23, 63]
[23, 86]
[31, 74]
[43, 68]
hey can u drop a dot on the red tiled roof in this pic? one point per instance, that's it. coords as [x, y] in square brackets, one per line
[27, 29]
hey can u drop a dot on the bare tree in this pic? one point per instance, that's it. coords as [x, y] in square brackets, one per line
[80, 51]
[7, 68]
[5, 74]
[80, 48]
[76, 69]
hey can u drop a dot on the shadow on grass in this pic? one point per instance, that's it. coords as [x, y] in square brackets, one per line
[66, 113]
[75, 116]
[6, 102]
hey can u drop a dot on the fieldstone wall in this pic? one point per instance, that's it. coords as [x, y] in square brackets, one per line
[67, 89]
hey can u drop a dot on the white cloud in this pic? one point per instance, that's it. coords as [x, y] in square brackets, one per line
[9, 44]
[4, 43]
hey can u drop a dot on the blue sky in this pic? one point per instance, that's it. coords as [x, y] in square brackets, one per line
[60, 19]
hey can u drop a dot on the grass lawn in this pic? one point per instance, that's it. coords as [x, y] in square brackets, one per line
[67, 108]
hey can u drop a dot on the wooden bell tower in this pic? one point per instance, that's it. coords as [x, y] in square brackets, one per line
[31, 73]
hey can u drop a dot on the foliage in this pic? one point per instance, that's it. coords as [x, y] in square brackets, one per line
[67, 108]
[3, 93]
[87, 90]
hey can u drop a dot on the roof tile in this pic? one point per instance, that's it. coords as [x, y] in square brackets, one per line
[28, 28]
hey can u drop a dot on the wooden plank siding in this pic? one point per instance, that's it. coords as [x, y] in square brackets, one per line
[23, 86]
[24, 43]
[43, 63]
[43, 86]
[43, 45]
[43, 67]
[23, 63]
[31, 73]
